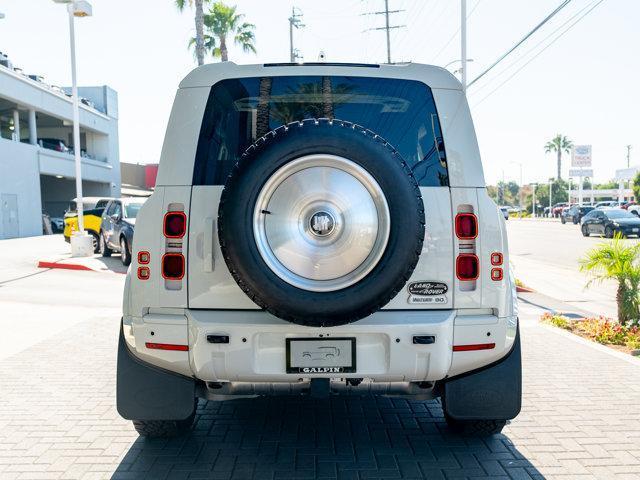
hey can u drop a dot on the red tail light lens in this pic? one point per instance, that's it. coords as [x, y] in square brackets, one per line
[175, 224]
[471, 348]
[173, 266]
[496, 274]
[496, 258]
[144, 273]
[467, 268]
[466, 226]
[167, 346]
[144, 258]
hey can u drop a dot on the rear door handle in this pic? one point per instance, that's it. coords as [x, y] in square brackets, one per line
[209, 228]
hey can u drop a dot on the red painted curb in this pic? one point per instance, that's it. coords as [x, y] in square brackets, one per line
[65, 266]
[524, 289]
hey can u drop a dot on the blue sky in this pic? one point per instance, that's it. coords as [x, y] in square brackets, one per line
[584, 85]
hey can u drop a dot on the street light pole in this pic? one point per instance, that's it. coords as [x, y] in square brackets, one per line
[81, 242]
[76, 118]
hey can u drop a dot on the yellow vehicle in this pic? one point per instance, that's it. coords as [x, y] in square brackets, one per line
[92, 212]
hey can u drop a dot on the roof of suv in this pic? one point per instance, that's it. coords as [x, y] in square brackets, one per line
[435, 77]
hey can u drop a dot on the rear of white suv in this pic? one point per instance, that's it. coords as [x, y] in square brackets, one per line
[319, 229]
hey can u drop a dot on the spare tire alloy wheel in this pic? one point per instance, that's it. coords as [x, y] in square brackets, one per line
[321, 223]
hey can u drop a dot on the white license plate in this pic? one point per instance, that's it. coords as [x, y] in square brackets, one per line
[321, 355]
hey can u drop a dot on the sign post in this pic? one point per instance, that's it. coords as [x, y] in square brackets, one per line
[580, 159]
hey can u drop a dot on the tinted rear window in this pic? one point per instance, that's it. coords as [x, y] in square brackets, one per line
[241, 110]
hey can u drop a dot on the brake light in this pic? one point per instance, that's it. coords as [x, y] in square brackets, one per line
[466, 226]
[167, 346]
[496, 258]
[467, 267]
[172, 266]
[175, 224]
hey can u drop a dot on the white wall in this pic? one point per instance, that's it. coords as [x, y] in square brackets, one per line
[19, 174]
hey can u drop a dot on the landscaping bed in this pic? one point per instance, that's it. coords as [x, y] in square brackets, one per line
[602, 330]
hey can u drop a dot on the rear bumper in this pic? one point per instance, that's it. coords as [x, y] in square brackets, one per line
[385, 352]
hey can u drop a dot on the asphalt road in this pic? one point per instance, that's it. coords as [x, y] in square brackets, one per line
[546, 257]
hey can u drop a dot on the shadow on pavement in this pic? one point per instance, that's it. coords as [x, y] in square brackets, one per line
[112, 263]
[341, 437]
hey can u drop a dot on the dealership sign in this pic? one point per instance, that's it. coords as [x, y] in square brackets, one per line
[581, 156]
[581, 172]
[627, 173]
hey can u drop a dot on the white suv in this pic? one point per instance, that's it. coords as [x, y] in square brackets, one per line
[319, 229]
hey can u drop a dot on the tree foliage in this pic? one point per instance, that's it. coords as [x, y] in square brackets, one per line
[619, 261]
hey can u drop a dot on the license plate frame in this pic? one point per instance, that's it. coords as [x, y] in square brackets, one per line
[295, 367]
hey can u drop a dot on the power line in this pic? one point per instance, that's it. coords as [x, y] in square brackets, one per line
[524, 39]
[532, 49]
[387, 26]
[540, 52]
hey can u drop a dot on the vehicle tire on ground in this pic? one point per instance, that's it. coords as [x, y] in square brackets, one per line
[608, 232]
[562, 219]
[125, 253]
[585, 232]
[96, 242]
[576, 220]
[355, 185]
[164, 428]
[105, 251]
[475, 428]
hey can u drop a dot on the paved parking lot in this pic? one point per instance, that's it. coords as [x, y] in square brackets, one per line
[58, 420]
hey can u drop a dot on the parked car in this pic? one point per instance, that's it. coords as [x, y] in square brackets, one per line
[92, 210]
[626, 205]
[53, 144]
[117, 225]
[57, 224]
[505, 212]
[607, 204]
[609, 221]
[557, 209]
[293, 231]
[575, 213]
[635, 209]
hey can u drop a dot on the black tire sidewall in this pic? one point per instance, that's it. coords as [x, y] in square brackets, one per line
[322, 308]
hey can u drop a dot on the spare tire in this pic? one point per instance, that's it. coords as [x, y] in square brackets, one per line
[321, 222]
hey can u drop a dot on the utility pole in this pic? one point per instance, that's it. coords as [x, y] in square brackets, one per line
[295, 20]
[387, 25]
[628, 155]
[463, 44]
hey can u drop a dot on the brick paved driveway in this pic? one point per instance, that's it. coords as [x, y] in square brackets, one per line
[581, 419]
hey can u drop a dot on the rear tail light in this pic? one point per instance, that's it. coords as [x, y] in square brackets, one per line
[144, 258]
[467, 267]
[175, 224]
[173, 266]
[496, 274]
[466, 226]
[496, 258]
[144, 273]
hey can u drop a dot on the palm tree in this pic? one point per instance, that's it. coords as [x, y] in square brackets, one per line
[199, 40]
[559, 144]
[222, 21]
[616, 260]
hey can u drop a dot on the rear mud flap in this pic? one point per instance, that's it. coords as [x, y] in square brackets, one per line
[492, 393]
[145, 392]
